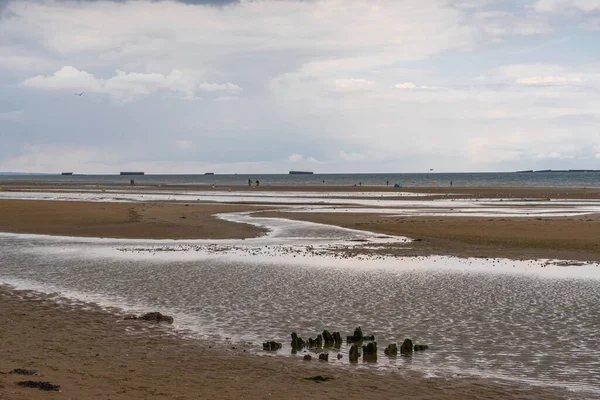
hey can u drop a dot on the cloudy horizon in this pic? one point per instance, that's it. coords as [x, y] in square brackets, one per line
[269, 86]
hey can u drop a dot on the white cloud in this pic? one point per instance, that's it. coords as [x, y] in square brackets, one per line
[545, 74]
[217, 87]
[126, 86]
[183, 144]
[295, 157]
[536, 80]
[406, 85]
[353, 85]
[412, 86]
[172, 35]
[67, 78]
[351, 156]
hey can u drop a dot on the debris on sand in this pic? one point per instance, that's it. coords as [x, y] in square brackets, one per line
[23, 371]
[39, 385]
[151, 316]
[318, 378]
[271, 346]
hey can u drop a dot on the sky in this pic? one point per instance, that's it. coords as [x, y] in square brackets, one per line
[268, 86]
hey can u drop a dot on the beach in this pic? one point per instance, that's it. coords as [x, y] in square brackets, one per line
[91, 352]
[572, 237]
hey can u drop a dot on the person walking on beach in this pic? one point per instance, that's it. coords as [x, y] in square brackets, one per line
[257, 183]
[387, 183]
[450, 183]
[249, 182]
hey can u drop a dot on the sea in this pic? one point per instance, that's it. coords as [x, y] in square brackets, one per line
[466, 179]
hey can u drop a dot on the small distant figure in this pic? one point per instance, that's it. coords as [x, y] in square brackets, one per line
[132, 182]
[359, 183]
[249, 182]
[257, 183]
[79, 94]
[323, 180]
[387, 183]
[450, 183]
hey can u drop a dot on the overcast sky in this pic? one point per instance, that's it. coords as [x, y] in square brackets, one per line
[325, 85]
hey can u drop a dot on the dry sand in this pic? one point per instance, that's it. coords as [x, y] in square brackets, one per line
[93, 354]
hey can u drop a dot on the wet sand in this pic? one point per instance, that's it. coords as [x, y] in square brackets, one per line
[441, 191]
[93, 354]
[568, 238]
[123, 220]
[573, 238]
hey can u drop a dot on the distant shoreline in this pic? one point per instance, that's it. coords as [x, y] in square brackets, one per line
[199, 174]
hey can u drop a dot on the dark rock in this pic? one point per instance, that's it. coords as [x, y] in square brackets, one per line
[318, 378]
[420, 347]
[370, 351]
[157, 317]
[328, 338]
[317, 342]
[339, 356]
[337, 339]
[324, 356]
[354, 353]
[297, 342]
[23, 371]
[130, 316]
[391, 350]
[271, 346]
[307, 357]
[406, 347]
[39, 385]
[356, 337]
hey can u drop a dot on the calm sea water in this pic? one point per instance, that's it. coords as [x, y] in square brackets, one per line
[496, 179]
